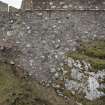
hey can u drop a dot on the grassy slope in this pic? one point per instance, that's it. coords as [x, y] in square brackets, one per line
[18, 91]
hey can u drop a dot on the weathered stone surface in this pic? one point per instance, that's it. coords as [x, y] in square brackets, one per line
[3, 6]
[26, 4]
[44, 35]
[43, 39]
[12, 9]
[64, 4]
[85, 82]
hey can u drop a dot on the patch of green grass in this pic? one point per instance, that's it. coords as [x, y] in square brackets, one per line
[80, 98]
[97, 64]
[76, 55]
[100, 101]
[94, 48]
[92, 52]
[8, 82]
[24, 91]
[95, 52]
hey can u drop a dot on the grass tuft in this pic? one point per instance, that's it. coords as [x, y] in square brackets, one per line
[92, 52]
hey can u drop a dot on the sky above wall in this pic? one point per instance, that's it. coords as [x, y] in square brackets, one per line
[15, 3]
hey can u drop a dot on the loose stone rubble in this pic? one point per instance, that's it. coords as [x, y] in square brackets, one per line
[85, 82]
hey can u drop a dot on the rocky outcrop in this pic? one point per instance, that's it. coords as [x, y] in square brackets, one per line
[85, 82]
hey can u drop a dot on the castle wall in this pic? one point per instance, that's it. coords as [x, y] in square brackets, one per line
[44, 36]
[12, 9]
[27, 5]
[3, 6]
[64, 4]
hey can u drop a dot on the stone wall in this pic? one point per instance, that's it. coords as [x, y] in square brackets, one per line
[69, 4]
[27, 5]
[45, 36]
[64, 4]
[12, 9]
[3, 6]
